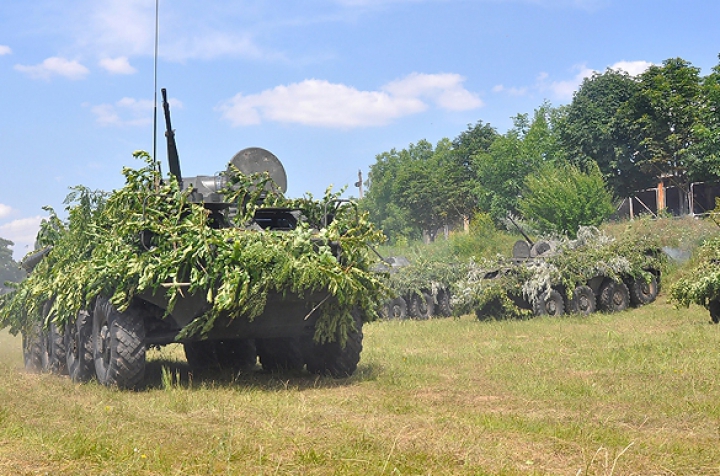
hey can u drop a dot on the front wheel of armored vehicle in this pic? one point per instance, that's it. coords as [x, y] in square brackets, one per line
[614, 297]
[714, 308]
[333, 359]
[35, 349]
[422, 306]
[79, 349]
[643, 291]
[583, 301]
[118, 345]
[549, 303]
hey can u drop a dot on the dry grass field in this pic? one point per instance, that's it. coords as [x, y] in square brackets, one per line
[633, 393]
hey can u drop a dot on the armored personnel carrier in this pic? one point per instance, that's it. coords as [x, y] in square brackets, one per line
[224, 265]
[564, 276]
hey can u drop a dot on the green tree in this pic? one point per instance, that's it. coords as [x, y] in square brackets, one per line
[9, 268]
[662, 118]
[562, 198]
[591, 131]
[418, 189]
[501, 170]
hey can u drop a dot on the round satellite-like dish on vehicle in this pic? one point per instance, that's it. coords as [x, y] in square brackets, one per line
[256, 160]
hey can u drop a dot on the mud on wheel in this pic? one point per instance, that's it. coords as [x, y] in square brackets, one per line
[118, 345]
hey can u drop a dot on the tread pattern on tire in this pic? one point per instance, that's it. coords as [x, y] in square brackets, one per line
[643, 292]
[126, 338]
[583, 301]
[79, 350]
[422, 306]
[614, 297]
[549, 303]
[330, 358]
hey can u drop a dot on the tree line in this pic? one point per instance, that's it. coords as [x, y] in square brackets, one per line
[561, 166]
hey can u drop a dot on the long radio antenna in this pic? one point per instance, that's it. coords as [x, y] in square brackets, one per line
[155, 86]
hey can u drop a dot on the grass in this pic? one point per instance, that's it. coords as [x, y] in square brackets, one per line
[630, 393]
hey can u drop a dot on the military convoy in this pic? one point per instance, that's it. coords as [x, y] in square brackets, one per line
[308, 313]
[594, 272]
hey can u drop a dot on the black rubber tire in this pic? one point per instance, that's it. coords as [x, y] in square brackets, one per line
[280, 354]
[444, 306]
[549, 303]
[79, 350]
[398, 309]
[118, 345]
[35, 349]
[422, 306]
[714, 308]
[330, 358]
[491, 310]
[643, 292]
[613, 297]
[583, 301]
[57, 351]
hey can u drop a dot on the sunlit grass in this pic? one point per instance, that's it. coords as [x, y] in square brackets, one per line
[628, 393]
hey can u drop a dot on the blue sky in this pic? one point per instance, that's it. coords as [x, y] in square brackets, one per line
[326, 85]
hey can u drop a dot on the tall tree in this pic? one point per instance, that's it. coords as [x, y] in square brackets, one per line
[662, 117]
[501, 170]
[591, 132]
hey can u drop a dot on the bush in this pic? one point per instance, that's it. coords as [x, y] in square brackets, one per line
[563, 198]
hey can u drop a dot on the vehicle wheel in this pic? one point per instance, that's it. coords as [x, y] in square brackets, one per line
[79, 349]
[118, 345]
[331, 358]
[35, 349]
[643, 292]
[582, 302]
[280, 354]
[614, 297]
[57, 351]
[444, 308]
[422, 306]
[398, 309]
[491, 310]
[714, 308]
[549, 303]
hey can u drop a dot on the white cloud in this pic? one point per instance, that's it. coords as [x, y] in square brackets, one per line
[127, 112]
[22, 232]
[5, 210]
[54, 66]
[5, 50]
[321, 103]
[512, 91]
[563, 90]
[633, 68]
[119, 65]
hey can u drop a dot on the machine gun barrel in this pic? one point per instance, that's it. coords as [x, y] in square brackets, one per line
[173, 159]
